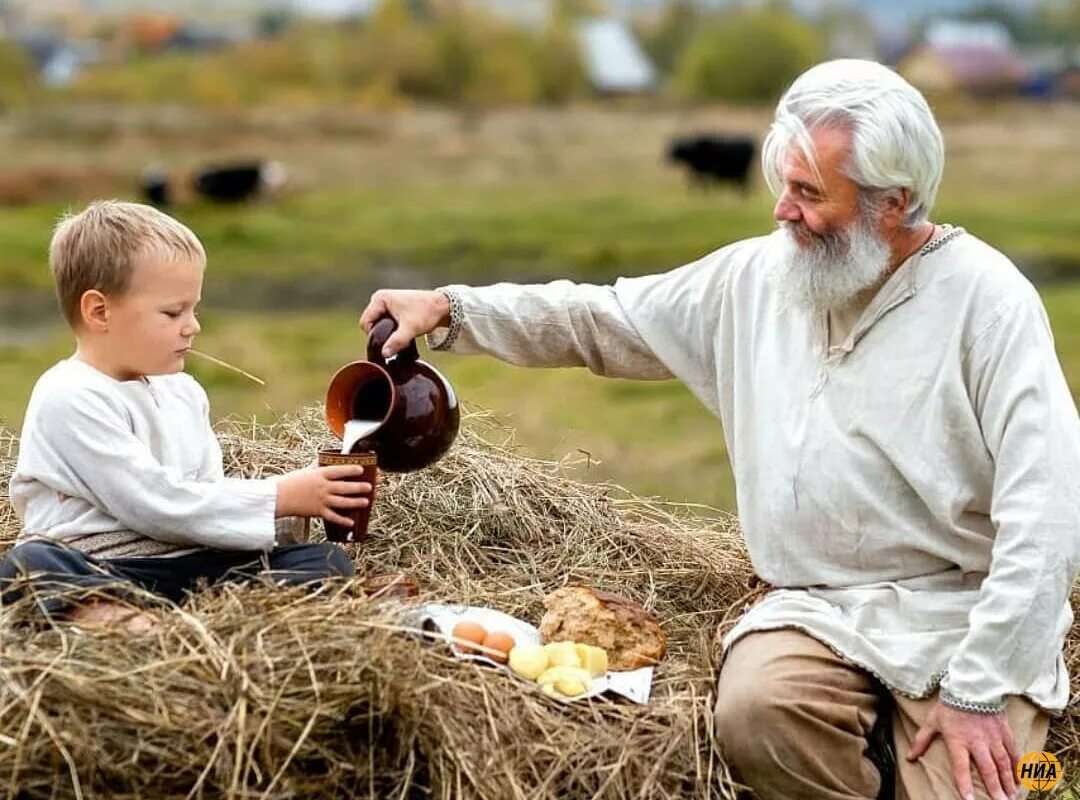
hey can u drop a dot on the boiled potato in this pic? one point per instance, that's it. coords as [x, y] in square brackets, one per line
[593, 659]
[528, 661]
[568, 681]
[562, 654]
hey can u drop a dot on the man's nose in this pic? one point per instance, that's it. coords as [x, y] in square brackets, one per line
[785, 210]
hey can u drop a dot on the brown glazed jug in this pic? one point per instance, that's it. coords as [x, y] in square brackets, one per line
[413, 409]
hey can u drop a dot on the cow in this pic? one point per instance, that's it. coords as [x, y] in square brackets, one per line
[222, 183]
[714, 159]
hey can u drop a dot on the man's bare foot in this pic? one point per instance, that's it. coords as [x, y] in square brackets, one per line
[107, 614]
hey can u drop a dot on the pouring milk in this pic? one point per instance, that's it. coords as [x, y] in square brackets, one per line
[355, 430]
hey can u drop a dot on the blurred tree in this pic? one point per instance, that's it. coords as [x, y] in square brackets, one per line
[456, 57]
[665, 40]
[560, 73]
[482, 61]
[391, 15]
[747, 56]
[17, 76]
[569, 10]
[406, 50]
[273, 22]
[1060, 18]
[396, 51]
[421, 10]
[504, 76]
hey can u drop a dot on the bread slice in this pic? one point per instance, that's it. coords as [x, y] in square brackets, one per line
[631, 635]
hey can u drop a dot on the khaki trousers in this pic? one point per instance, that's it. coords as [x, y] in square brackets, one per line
[793, 721]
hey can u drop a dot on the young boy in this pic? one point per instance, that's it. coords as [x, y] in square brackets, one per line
[119, 479]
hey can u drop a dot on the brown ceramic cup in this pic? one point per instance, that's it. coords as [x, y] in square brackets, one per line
[356, 532]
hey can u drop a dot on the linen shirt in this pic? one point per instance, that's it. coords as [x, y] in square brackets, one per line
[913, 493]
[131, 468]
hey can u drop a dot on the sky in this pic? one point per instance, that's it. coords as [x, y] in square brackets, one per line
[887, 13]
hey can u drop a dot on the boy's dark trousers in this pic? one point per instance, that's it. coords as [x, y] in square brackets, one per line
[57, 570]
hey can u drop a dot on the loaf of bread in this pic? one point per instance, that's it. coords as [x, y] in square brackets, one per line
[631, 635]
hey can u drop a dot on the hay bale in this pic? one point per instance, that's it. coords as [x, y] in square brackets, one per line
[250, 691]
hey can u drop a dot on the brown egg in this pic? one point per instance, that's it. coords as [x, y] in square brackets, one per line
[501, 643]
[468, 631]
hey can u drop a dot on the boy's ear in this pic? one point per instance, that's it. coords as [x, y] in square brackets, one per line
[94, 310]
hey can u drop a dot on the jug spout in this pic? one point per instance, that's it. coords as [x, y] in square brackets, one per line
[408, 409]
[360, 391]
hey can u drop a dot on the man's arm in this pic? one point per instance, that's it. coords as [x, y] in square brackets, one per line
[651, 327]
[1031, 430]
[559, 324]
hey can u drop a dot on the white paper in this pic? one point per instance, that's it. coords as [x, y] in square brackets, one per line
[634, 685]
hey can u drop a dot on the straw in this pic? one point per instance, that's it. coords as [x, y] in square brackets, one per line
[227, 365]
[256, 692]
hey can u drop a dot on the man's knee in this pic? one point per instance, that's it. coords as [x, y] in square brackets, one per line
[749, 719]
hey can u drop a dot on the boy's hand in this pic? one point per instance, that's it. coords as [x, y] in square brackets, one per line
[317, 491]
[416, 313]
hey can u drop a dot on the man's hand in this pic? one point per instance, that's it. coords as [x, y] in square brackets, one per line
[317, 491]
[416, 312]
[983, 738]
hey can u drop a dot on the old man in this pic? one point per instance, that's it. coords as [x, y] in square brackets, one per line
[905, 448]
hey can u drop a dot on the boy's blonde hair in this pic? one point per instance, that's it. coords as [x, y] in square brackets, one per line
[99, 248]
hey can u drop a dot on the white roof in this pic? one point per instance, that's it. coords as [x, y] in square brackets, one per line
[613, 58]
[954, 33]
[332, 9]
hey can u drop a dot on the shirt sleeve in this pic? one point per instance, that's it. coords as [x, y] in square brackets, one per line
[558, 324]
[1031, 430]
[90, 439]
[652, 327]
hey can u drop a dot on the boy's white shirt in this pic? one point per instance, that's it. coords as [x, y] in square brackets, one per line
[914, 489]
[131, 468]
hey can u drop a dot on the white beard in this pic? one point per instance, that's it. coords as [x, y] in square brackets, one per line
[832, 270]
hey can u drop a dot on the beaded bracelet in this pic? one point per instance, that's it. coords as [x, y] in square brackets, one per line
[952, 700]
[457, 316]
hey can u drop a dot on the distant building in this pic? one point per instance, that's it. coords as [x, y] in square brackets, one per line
[1053, 72]
[975, 58]
[331, 9]
[615, 62]
[849, 34]
[192, 36]
[58, 62]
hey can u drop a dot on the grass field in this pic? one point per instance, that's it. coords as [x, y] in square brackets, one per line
[423, 198]
[654, 438]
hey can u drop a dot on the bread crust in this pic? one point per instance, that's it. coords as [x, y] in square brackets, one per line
[631, 635]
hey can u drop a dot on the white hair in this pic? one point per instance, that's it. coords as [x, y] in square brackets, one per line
[896, 142]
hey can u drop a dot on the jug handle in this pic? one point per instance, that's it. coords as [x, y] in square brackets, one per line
[380, 332]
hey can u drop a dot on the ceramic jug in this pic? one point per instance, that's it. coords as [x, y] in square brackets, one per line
[411, 407]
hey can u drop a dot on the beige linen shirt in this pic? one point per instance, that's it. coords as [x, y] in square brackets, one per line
[131, 468]
[914, 491]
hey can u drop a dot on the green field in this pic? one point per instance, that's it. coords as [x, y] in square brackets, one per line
[419, 199]
[654, 438]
